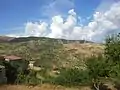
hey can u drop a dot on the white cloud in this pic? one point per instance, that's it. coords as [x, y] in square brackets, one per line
[57, 7]
[106, 23]
[63, 28]
[103, 23]
[36, 29]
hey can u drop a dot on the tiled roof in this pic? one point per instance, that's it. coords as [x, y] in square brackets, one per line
[12, 57]
[9, 57]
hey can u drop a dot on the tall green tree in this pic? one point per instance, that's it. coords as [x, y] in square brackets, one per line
[112, 48]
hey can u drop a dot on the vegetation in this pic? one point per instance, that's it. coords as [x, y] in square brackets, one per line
[48, 52]
[13, 68]
[94, 71]
[72, 77]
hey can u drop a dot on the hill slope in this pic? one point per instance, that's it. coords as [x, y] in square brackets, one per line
[49, 52]
[6, 39]
[25, 39]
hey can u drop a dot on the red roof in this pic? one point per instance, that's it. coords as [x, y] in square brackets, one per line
[12, 57]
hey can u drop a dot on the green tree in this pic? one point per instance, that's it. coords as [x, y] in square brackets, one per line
[112, 48]
[112, 53]
[98, 70]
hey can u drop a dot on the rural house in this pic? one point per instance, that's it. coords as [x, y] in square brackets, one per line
[11, 66]
[12, 58]
[16, 61]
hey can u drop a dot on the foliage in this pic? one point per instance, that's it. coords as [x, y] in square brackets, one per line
[21, 77]
[112, 53]
[47, 53]
[98, 67]
[99, 70]
[13, 68]
[72, 77]
[29, 78]
[112, 48]
[11, 73]
[32, 79]
[108, 67]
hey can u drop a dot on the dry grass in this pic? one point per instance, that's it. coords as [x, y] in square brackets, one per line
[86, 49]
[42, 87]
[75, 54]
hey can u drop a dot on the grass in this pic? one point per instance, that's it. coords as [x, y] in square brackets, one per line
[42, 87]
[47, 53]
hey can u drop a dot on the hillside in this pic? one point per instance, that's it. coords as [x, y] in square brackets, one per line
[49, 52]
[25, 39]
[5, 39]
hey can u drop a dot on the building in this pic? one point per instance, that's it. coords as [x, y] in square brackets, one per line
[11, 67]
[16, 62]
[12, 58]
[3, 78]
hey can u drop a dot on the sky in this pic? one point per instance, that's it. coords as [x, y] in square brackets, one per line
[68, 19]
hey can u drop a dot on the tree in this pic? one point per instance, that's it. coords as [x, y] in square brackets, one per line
[112, 48]
[98, 70]
[112, 53]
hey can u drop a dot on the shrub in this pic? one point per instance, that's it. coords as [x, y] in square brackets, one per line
[13, 69]
[98, 70]
[20, 78]
[98, 67]
[112, 48]
[11, 73]
[29, 79]
[72, 77]
[112, 53]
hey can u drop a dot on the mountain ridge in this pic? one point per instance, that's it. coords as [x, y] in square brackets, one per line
[25, 39]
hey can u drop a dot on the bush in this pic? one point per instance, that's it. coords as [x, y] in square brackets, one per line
[72, 77]
[13, 69]
[112, 53]
[112, 48]
[98, 67]
[98, 70]
[29, 79]
[20, 78]
[11, 73]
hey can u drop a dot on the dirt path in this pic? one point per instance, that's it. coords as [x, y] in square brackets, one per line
[43, 87]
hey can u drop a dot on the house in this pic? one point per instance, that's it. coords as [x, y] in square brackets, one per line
[14, 61]
[11, 67]
[3, 78]
[12, 58]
